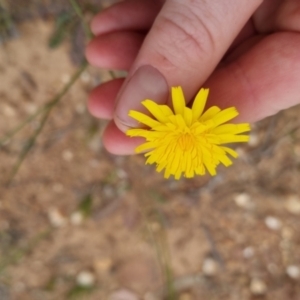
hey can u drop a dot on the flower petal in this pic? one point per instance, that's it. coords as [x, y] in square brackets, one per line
[211, 112]
[231, 128]
[188, 116]
[199, 103]
[178, 100]
[225, 115]
[142, 118]
[155, 110]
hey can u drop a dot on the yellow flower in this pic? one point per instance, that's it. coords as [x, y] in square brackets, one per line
[187, 140]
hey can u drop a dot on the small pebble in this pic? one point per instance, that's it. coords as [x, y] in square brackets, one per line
[121, 174]
[76, 218]
[67, 155]
[297, 150]
[248, 252]
[85, 77]
[293, 272]
[123, 295]
[31, 108]
[185, 296]
[209, 267]
[65, 78]
[253, 140]
[273, 268]
[80, 108]
[273, 223]
[8, 110]
[293, 205]
[258, 287]
[103, 265]
[56, 218]
[243, 200]
[85, 279]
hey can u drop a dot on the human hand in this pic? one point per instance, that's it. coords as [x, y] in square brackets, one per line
[246, 52]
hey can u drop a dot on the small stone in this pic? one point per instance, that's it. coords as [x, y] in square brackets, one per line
[76, 218]
[65, 78]
[293, 272]
[258, 287]
[121, 174]
[185, 296]
[155, 226]
[103, 265]
[297, 150]
[293, 205]
[85, 77]
[248, 252]
[67, 155]
[273, 269]
[85, 279]
[56, 218]
[287, 233]
[31, 108]
[8, 110]
[243, 200]
[95, 144]
[209, 267]
[123, 295]
[253, 140]
[80, 108]
[273, 223]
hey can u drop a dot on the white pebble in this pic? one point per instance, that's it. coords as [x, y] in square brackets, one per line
[209, 267]
[248, 252]
[85, 279]
[65, 78]
[8, 110]
[123, 295]
[80, 108]
[85, 77]
[253, 140]
[121, 174]
[293, 205]
[67, 155]
[293, 272]
[258, 287]
[76, 218]
[273, 223]
[243, 200]
[56, 218]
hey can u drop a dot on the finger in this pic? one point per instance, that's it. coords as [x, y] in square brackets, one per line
[101, 101]
[183, 47]
[261, 81]
[126, 15]
[278, 16]
[115, 50]
[116, 142]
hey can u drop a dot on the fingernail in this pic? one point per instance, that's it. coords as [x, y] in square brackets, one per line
[146, 83]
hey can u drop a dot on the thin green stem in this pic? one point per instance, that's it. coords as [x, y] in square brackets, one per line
[78, 11]
[31, 142]
[44, 108]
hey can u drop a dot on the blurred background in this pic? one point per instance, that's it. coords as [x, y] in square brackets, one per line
[79, 223]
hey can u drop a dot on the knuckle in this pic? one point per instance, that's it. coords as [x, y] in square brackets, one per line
[185, 36]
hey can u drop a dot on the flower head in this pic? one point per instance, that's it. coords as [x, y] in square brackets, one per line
[186, 140]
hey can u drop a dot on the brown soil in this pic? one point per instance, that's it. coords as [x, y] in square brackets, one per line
[73, 207]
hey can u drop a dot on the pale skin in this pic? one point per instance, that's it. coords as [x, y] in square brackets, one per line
[246, 52]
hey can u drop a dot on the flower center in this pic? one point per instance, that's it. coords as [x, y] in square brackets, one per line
[186, 141]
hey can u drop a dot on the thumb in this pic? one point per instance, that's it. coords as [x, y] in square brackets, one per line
[186, 42]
